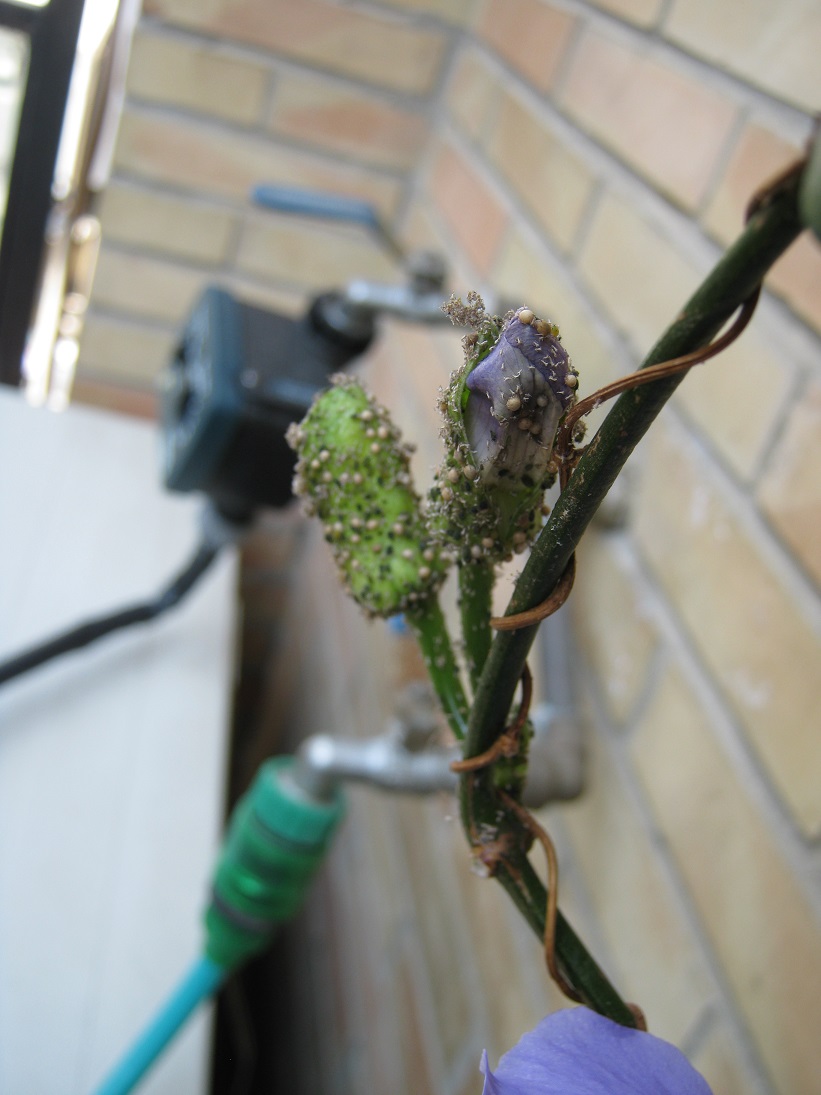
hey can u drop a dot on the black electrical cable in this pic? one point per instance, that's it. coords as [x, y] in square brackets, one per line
[89, 632]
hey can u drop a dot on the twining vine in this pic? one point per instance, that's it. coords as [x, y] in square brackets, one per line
[513, 426]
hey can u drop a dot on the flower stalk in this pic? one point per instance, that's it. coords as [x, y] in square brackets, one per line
[430, 629]
[476, 579]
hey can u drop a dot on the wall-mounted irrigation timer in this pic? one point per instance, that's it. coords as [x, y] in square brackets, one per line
[239, 377]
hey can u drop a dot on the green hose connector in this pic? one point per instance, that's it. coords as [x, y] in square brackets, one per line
[277, 837]
[276, 840]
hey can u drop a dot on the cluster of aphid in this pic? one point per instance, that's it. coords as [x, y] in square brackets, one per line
[353, 473]
[501, 412]
[461, 514]
[532, 393]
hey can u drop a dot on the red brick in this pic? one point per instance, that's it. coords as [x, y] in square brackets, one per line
[530, 35]
[790, 491]
[643, 13]
[474, 216]
[774, 46]
[214, 160]
[764, 932]
[759, 155]
[755, 634]
[377, 48]
[472, 93]
[551, 179]
[664, 122]
[336, 116]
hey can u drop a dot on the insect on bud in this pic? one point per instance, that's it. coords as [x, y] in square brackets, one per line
[502, 412]
[379, 539]
[518, 393]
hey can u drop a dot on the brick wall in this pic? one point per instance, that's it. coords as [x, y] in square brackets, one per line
[222, 97]
[591, 159]
[614, 146]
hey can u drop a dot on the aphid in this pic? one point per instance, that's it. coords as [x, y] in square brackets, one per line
[345, 429]
[502, 413]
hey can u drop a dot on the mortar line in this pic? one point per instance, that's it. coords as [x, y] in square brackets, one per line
[801, 854]
[678, 889]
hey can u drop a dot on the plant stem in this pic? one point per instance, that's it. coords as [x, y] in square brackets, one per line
[475, 589]
[766, 237]
[525, 888]
[428, 623]
[770, 231]
[513, 870]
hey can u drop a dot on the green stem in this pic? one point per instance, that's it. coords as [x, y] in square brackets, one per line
[525, 888]
[770, 231]
[475, 590]
[513, 870]
[428, 623]
[742, 268]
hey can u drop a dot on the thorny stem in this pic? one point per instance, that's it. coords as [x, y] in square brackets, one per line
[475, 589]
[770, 231]
[428, 623]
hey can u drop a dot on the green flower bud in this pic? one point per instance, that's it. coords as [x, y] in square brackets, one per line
[353, 473]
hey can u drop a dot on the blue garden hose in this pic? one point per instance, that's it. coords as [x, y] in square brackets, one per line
[277, 838]
[200, 983]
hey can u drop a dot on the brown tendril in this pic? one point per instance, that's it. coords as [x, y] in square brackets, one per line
[552, 908]
[505, 746]
[508, 741]
[664, 369]
[639, 1016]
[567, 456]
[536, 830]
[764, 195]
[552, 603]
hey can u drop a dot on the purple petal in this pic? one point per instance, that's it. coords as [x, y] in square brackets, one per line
[577, 1052]
[518, 393]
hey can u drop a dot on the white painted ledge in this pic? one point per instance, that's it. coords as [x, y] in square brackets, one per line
[112, 759]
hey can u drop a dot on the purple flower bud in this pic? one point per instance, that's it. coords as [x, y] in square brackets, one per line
[518, 394]
[577, 1051]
